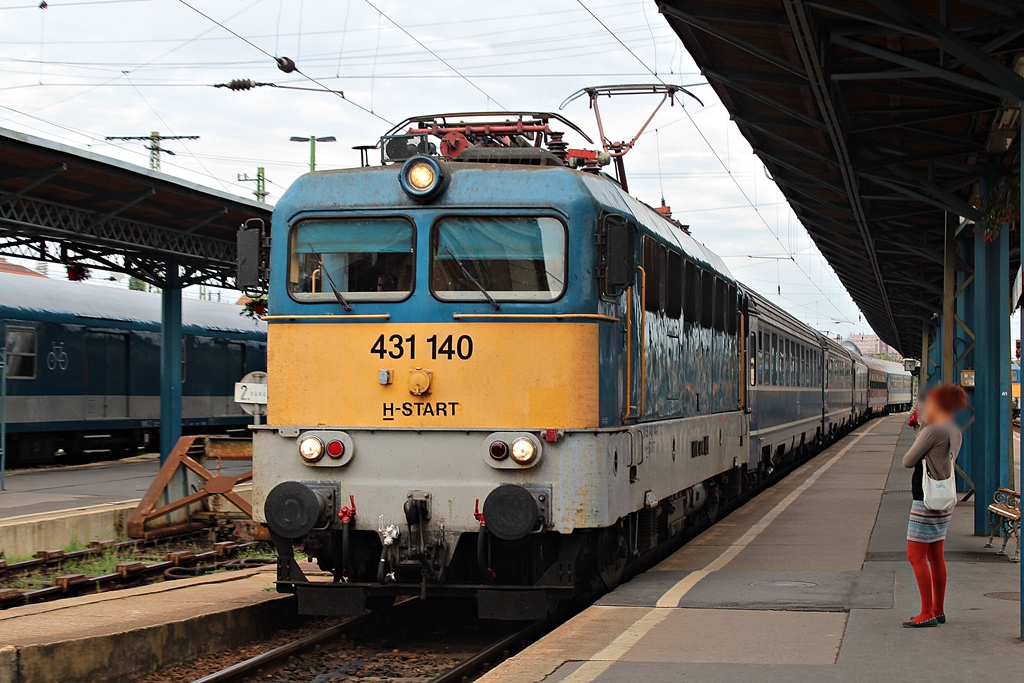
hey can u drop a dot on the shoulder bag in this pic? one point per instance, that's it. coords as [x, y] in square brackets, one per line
[940, 494]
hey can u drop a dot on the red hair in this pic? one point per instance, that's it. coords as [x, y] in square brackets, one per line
[949, 398]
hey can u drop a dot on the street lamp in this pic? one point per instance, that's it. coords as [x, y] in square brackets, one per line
[312, 146]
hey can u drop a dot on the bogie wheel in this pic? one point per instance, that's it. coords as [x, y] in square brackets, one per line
[611, 556]
[712, 507]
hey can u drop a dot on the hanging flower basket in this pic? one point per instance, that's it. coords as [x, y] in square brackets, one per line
[255, 307]
[77, 272]
[1000, 207]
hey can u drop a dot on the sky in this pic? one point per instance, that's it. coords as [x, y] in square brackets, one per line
[81, 70]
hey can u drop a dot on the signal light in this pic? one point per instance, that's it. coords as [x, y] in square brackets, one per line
[499, 450]
[335, 449]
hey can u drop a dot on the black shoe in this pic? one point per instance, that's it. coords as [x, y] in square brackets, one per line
[910, 623]
[941, 618]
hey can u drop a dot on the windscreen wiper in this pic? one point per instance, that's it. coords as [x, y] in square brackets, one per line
[469, 276]
[323, 269]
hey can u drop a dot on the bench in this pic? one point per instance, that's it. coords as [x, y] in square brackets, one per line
[1004, 520]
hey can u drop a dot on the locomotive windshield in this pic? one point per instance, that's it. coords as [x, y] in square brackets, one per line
[364, 259]
[513, 258]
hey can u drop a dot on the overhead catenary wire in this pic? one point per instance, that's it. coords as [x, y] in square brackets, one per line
[174, 49]
[436, 56]
[344, 34]
[56, 5]
[275, 58]
[716, 154]
[516, 49]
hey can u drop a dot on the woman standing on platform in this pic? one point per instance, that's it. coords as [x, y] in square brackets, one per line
[937, 446]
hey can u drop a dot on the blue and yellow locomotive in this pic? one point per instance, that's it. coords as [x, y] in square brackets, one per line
[495, 374]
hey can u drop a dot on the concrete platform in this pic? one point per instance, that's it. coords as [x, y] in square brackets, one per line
[122, 635]
[57, 489]
[809, 581]
[61, 506]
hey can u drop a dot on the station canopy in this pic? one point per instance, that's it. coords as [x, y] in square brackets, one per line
[65, 205]
[877, 119]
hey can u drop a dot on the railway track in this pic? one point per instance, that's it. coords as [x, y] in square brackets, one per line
[329, 655]
[415, 641]
[174, 565]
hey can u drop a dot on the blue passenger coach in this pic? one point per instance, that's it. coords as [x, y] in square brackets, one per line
[84, 366]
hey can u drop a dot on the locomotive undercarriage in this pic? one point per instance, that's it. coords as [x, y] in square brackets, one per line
[367, 569]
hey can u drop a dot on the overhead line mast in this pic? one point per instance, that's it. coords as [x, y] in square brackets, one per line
[154, 139]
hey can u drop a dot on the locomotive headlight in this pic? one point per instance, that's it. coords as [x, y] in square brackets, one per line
[311, 449]
[524, 450]
[424, 178]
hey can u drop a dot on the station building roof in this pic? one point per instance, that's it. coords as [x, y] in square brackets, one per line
[877, 119]
[66, 205]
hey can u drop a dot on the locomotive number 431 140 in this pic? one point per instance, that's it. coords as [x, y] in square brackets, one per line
[450, 347]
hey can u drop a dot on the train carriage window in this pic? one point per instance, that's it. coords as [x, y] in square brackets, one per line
[787, 363]
[366, 259]
[794, 363]
[707, 304]
[674, 286]
[763, 359]
[781, 360]
[775, 359]
[511, 258]
[691, 293]
[652, 273]
[721, 307]
[20, 343]
[755, 361]
[662, 274]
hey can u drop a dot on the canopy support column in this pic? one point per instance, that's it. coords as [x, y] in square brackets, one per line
[170, 360]
[990, 399]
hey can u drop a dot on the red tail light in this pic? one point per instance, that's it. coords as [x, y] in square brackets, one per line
[499, 450]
